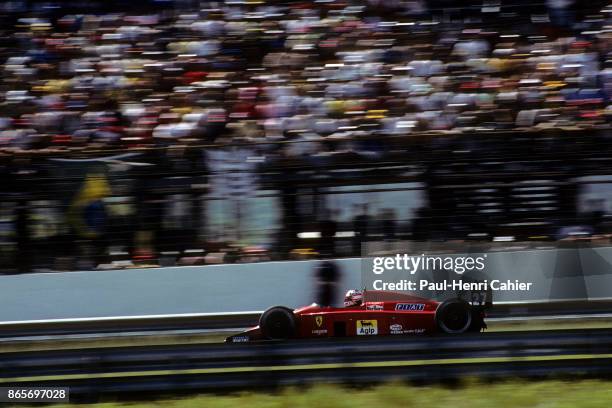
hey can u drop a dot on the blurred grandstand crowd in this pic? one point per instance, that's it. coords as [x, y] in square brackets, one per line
[119, 80]
[277, 81]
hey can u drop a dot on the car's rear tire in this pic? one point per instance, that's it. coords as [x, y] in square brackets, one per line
[454, 316]
[277, 323]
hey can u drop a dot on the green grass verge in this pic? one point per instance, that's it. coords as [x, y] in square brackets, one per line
[473, 394]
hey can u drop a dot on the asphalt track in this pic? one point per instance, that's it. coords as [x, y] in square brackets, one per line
[239, 320]
[218, 367]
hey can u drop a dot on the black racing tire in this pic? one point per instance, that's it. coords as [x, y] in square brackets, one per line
[277, 323]
[454, 316]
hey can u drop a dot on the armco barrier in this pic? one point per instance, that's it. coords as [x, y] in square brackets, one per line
[556, 274]
[216, 367]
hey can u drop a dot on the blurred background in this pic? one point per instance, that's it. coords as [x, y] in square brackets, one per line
[159, 133]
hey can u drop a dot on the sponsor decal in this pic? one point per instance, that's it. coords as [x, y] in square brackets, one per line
[399, 329]
[410, 307]
[319, 321]
[374, 307]
[367, 327]
[240, 339]
[396, 329]
[319, 331]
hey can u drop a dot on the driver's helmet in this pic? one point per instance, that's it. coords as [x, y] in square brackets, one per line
[353, 298]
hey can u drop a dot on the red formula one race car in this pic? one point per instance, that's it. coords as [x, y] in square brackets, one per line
[371, 313]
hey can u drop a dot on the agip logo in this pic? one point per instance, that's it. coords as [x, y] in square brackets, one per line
[367, 327]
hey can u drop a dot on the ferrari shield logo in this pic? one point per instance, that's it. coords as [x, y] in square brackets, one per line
[319, 321]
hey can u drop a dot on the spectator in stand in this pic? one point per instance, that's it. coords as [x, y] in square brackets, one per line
[120, 80]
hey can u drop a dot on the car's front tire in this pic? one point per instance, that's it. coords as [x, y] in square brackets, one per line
[277, 323]
[454, 316]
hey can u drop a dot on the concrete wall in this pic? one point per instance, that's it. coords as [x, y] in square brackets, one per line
[556, 274]
[218, 288]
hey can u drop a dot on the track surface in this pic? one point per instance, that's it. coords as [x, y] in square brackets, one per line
[217, 321]
[353, 360]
